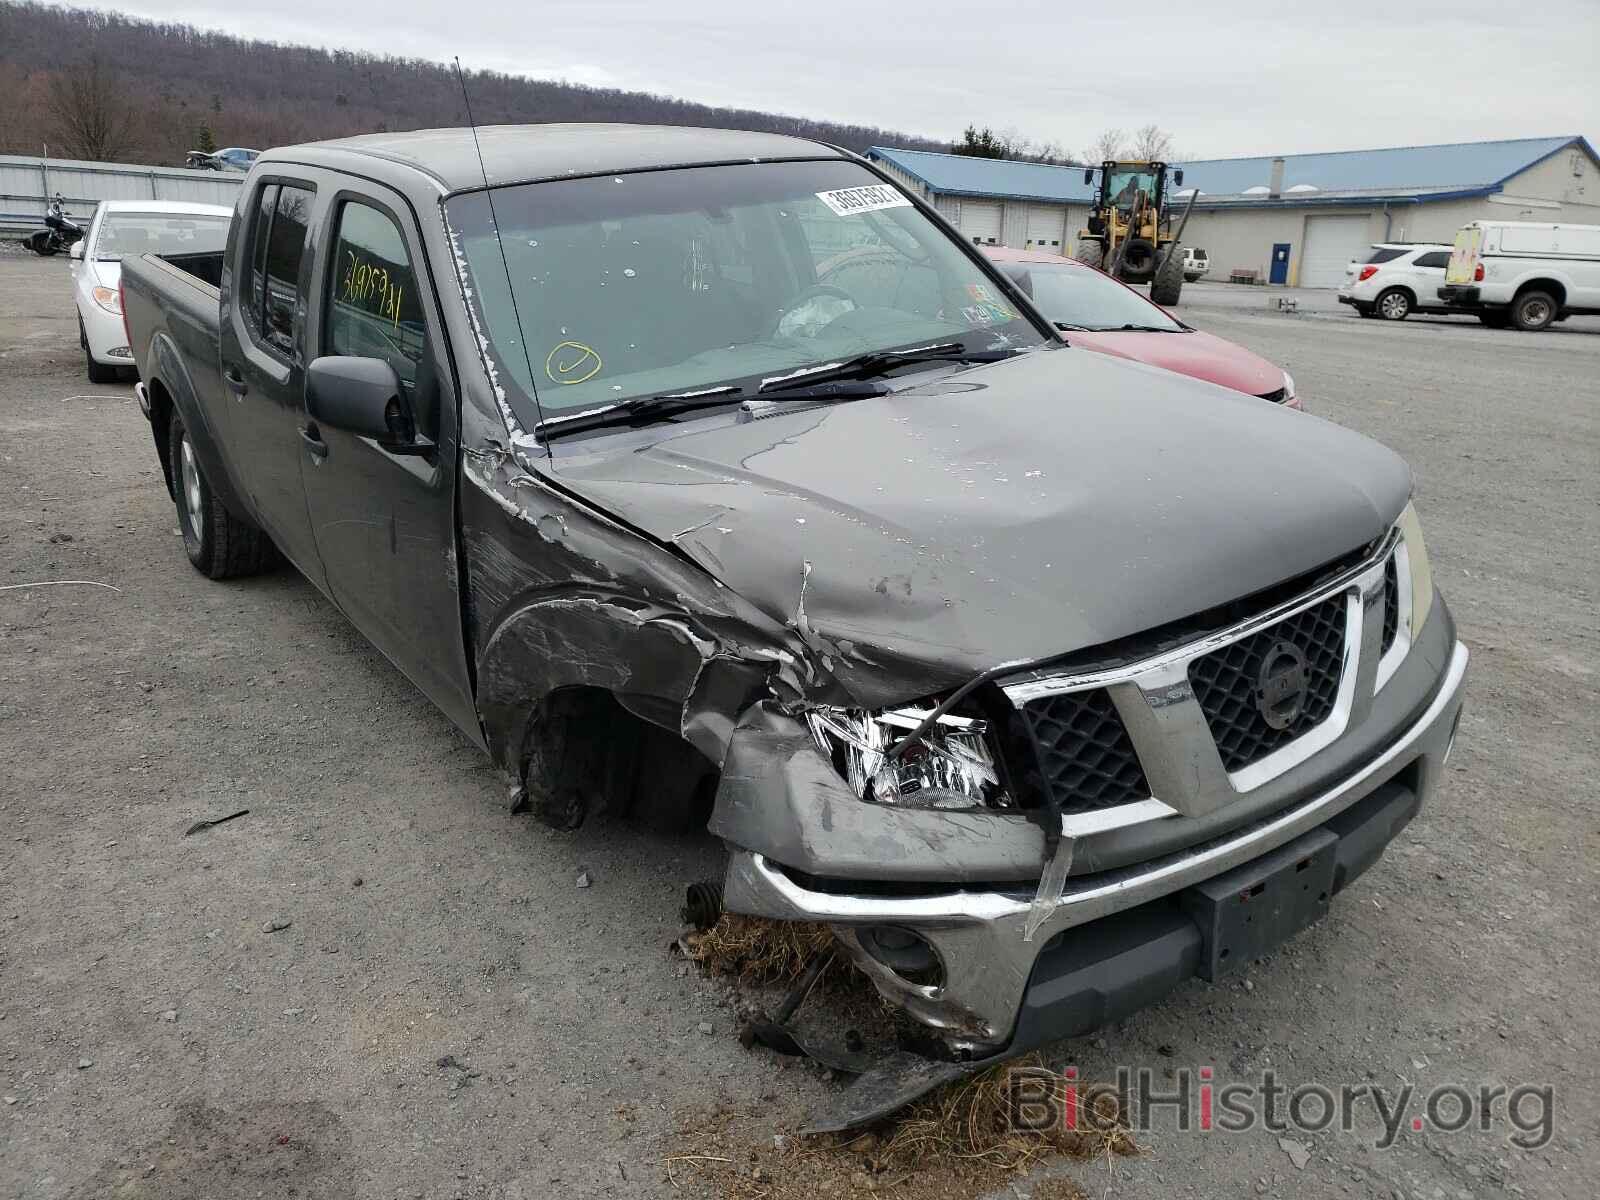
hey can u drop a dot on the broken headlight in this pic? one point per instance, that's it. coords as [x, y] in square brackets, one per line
[951, 766]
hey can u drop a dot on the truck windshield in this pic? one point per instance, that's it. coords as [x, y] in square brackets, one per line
[136, 233]
[669, 281]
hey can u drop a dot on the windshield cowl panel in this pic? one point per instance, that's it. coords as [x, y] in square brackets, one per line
[694, 281]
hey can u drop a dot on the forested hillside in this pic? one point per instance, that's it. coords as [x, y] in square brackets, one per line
[99, 85]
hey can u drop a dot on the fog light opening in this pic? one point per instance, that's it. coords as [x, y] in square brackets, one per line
[907, 954]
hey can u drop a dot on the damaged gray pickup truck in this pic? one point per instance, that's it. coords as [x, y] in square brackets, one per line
[710, 475]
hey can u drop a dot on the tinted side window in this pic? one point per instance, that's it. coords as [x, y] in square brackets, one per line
[286, 246]
[250, 303]
[1434, 258]
[1383, 255]
[373, 307]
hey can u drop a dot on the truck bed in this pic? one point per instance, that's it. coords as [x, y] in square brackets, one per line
[172, 310]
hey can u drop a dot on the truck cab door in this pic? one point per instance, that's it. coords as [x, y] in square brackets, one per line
[384, 522]
[263, 364]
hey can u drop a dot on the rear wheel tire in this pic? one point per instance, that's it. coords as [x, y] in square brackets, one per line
[1533, 310]
[1393, 305]
[1167, 286]
[1090, 253]
[218, 544]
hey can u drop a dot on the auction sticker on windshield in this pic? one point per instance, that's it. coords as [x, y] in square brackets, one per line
[846, 202]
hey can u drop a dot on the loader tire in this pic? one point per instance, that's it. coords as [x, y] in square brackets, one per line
[1167, 286]
[1090, 253]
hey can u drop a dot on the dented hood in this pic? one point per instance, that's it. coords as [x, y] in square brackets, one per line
[1001, 513]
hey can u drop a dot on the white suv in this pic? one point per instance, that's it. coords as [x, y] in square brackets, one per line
[1195, 263]
[1397, 280]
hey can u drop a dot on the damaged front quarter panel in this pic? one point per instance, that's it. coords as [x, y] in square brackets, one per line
[561, 597]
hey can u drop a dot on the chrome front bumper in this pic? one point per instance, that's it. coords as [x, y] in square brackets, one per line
[982, 937]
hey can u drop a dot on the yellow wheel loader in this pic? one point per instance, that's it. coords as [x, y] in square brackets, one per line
[1130, 234]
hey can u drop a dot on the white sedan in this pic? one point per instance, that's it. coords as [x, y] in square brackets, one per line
[131, 227]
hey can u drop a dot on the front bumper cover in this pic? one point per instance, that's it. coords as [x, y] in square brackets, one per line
[985, 1005]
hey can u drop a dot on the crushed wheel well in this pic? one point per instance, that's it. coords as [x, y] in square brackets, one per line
[585, 752]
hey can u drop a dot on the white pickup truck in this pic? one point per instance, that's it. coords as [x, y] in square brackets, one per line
[1524, 273]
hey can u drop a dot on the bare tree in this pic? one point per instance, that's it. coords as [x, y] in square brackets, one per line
[1109, 145]
[91, 119]
[1154, 143]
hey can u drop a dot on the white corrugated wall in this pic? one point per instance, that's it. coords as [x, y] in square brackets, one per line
[26, 185]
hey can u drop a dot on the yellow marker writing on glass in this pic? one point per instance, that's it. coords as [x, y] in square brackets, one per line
[572, 362]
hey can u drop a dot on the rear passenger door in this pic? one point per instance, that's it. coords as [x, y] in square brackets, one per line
[385, 523]
[263, 364]
[1427, 270]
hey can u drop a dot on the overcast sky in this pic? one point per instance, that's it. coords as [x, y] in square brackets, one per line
[1231, 78]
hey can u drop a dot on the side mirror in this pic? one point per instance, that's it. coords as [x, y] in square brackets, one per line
[363, 396]
[76, 251]
[1088, 175]
[1177, 177]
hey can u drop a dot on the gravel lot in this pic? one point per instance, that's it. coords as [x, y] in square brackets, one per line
[155, 1041]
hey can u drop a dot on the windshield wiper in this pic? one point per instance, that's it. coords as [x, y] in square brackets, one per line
[640, 411]
[876, 362]
[648, 410]
[1134, 329]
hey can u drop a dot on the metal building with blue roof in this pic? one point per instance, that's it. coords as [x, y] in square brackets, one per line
[1296, 219]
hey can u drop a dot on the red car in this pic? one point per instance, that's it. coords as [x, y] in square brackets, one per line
[1099, 313]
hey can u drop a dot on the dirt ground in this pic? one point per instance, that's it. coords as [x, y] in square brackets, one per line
[445, 1012]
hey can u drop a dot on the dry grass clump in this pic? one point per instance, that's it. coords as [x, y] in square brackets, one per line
[969, 1120]
[755, 949]
[956, 1143]
[952, 1145]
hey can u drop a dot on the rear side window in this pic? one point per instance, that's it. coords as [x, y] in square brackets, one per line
[1384, 254]
[373, 306]
[250, 304]
[1434, 258]
[278, 244]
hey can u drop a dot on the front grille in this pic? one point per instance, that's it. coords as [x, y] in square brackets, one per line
[1391, 603]
[1225, 682]
[1083, 753]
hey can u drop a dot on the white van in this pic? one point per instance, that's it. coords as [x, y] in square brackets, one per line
[1524, 273]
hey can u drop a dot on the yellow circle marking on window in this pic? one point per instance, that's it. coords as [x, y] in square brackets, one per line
[578, 364]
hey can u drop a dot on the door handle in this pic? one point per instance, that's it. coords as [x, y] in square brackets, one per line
[235, 381]
[312, 437]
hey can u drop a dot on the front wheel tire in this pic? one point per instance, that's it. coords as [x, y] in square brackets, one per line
[1167, 285]
[1090, 252]
[218, 544]
[97, 372]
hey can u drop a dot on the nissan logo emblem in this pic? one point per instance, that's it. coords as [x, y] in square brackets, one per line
[1281, 685]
